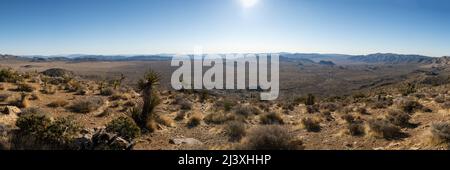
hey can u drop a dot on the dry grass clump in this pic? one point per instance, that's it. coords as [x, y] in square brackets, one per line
[246, 111]
[356, 129]
[195, 120]
[58, 103]
[108, 91]
[235, 130]
[329, 106]
[311, 124]
[384, 129]
[271, 118]
[440, 133]
[218, 118]
[399, 118]
[87, 106]
[271, 137]
[119, 96]
[225, 104]
[166, 121]
[362, 111]
[22, 102]
[410, 106]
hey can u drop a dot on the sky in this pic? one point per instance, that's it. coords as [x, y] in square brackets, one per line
[56, 27]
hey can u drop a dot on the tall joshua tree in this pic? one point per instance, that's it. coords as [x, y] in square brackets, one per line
[147, 87]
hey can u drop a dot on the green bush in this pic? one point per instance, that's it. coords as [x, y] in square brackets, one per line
[124, 127]
[8, 75]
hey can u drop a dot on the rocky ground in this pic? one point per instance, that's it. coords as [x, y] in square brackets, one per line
[404, 116]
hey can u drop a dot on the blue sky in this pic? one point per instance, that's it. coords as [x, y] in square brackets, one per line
[50, 27]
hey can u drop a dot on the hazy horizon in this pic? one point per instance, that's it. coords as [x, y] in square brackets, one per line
[113, 27]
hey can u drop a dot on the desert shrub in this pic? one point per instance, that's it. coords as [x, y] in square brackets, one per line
[32, 111]
[356, 129]
[348, 118]
[312, 109]
[8, 75]
[226, 105]
[129, 104]
[81, 91]
[48, 89]
[107, 91]
[217, 118]
[246, 111]
[33, 124]
[124, 127]
[311, 124]
[57, 72]
[39, 132]
[407, 89]
[358, 95]
[399, 118]
[440, 133]
[119, 96]
[24, 87]
[105, 113]
[87, 106]
[35, 96]
[194, 120]
[185, 105]
[235, 130]
[61, 131]
[272, 137]
[346, 110]
[271, 118]
[22, 102]
[440, 99]
[327, 115]
[384, 129]
[410, 106]
[181, 115]
[362, 111]
[74, 86]
[203, 96]
[329, 106]
[4, 97]
[2, 87]
[58, 103]
[445, 105]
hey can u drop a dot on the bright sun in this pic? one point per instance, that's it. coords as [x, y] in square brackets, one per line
[249, 3]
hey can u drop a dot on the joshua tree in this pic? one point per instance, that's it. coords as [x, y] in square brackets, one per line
[147, 87]
[117, 83]
[310, 100]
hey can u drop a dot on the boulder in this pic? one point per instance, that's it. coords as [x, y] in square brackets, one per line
[185, 141]
[9, 115]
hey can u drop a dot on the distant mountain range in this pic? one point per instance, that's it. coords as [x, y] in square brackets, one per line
[305, 58]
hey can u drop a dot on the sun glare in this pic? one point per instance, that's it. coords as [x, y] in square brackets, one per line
[249, 3]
